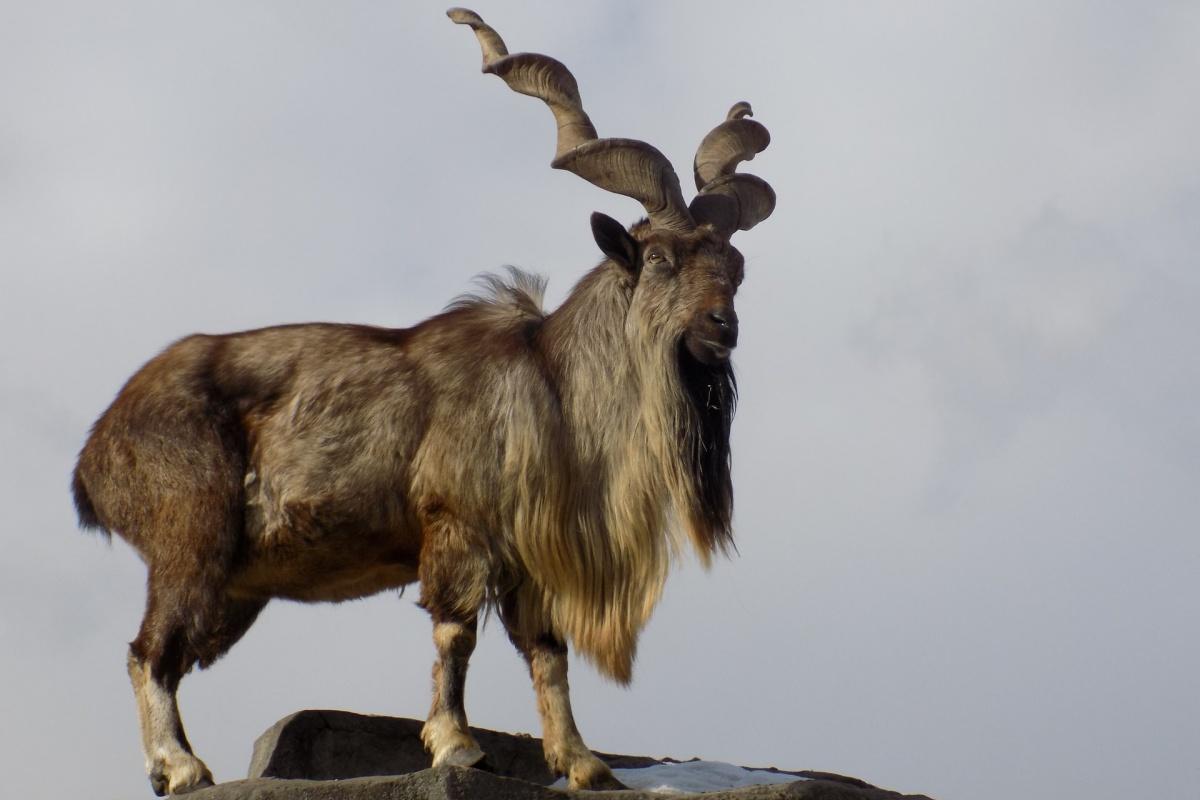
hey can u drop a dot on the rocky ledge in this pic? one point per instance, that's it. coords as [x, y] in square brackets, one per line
[337, 755]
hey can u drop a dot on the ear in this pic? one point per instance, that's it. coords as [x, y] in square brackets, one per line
[615, 241]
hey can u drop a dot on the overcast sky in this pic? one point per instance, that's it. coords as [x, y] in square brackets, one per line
[968, 450]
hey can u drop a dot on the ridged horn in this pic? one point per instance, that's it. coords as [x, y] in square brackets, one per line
[623, 166]
[728, 200]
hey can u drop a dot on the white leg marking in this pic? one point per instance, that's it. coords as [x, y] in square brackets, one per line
[169, 762]
[566, 754]
[445, 732]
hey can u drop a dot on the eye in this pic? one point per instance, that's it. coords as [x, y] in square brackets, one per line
[659, 261]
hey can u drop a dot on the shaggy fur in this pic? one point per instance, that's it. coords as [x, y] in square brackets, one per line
[545, 465]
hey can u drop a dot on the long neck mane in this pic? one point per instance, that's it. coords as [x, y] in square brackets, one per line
[649, 431]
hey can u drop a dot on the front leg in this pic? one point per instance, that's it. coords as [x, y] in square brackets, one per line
[445, 732]
[453, 574]
[566, 754]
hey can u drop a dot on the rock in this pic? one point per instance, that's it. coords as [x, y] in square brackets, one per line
[461, 783]
[443, 783]
[337, 755]
[335, 745]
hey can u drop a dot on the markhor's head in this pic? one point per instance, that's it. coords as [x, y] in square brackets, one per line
[685, 269]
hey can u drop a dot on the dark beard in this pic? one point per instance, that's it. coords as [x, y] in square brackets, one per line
[711, 392]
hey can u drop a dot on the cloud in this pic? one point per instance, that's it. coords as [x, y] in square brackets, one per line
[967, 449]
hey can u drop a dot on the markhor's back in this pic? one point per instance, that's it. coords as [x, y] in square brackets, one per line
[538, 464]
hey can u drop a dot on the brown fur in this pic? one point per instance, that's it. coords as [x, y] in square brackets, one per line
[544, 465]
[547, 466]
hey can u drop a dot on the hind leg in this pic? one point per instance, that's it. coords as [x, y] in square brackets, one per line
[176, 633]
[164, 469]
[158, 658]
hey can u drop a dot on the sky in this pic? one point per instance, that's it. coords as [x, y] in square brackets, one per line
[967, 453]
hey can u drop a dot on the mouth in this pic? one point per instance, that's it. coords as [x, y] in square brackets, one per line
[719, 351]
[707, 351]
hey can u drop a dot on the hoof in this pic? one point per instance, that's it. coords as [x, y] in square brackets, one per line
[463, 757]
[186, 774]
[449, 742]
[603, 783]
[158, 782]
[594, 775]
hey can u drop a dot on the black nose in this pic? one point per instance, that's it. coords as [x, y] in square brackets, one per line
[726, 320]
[724, 317]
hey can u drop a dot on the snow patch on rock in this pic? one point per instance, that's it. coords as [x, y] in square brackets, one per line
[693, 776]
